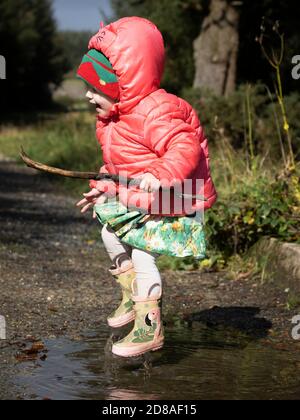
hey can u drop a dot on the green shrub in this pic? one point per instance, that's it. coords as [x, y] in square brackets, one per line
[231, 114]
[266, 207]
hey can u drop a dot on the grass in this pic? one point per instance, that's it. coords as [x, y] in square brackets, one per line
[293, 302]
[65, 140]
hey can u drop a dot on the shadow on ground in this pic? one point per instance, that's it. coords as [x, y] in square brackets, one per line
[242, 319]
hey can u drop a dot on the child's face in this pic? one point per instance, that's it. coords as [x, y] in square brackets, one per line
[103, 103]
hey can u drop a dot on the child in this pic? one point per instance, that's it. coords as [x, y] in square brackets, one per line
[149, 134]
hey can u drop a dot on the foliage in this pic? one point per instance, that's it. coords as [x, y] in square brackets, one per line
[231, 113]
[32, 49]
[266, 206]
[275, 59]
[75, 44]
[256, 197]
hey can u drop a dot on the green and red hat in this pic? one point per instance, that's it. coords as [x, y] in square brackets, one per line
[96, 70]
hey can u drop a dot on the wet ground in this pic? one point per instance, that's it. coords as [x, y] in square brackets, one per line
[224, 339]
[196, 363]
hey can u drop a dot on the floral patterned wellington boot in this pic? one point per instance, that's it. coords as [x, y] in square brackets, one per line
[124, 314]
[147, 334]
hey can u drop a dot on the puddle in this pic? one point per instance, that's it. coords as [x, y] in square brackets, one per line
[196, 363]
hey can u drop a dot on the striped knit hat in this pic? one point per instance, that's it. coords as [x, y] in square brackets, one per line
[96, 70]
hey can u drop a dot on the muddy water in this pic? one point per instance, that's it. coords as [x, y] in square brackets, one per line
[197, 362]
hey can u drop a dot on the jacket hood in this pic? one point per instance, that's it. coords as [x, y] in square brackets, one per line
[135, 48]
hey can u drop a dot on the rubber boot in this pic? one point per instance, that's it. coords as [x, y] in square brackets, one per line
[125, 313]
[147, 333]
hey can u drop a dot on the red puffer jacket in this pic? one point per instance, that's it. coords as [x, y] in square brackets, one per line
[149, 130]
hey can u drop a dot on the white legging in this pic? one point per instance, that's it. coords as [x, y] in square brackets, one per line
[148, 279]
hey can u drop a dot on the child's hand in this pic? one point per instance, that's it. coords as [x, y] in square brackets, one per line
[92, 198]
[149, 182]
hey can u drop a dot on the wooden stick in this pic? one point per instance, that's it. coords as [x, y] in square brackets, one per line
[56, 171]
[92, 175]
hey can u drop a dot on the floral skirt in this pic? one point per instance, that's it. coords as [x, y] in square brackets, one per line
[178, 236]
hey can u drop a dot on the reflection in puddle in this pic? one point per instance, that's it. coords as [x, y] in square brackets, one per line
[196, 363]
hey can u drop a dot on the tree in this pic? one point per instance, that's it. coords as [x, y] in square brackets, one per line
[225, 50]
[182, 22]
[33, 53]
[216, 49]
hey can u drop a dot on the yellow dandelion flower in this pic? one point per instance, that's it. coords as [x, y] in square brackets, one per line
[177, 226]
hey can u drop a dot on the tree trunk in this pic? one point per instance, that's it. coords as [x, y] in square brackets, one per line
[216, 49]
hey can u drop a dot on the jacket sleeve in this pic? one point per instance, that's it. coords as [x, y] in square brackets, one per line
[93, 183]
[108, 187]
[176, 144]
